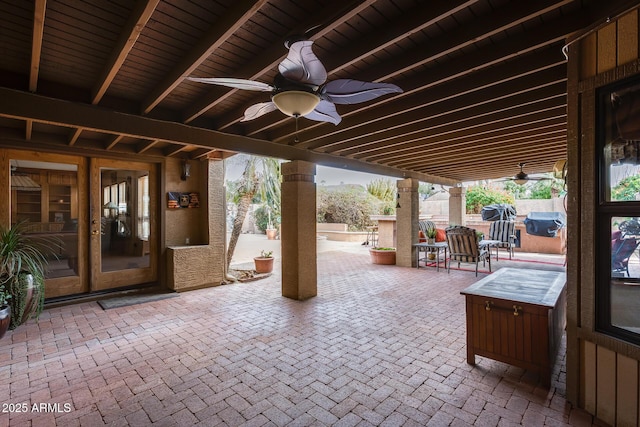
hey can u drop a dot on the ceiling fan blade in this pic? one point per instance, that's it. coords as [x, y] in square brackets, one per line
[325, 111]
[302, 65]
[347, 91]
[234, 83]
[258, 110]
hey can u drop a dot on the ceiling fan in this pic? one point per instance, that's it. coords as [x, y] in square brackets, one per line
[522, 177]
[300, 89]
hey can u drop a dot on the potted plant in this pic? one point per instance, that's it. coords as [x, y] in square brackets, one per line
[431, 235]
[271, 231]
[5, 310]
[264, 262]
[384, 256]
[23, 261]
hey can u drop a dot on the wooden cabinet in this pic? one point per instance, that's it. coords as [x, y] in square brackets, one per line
[517, 316]
[51, 206]
[28, 206]
[59, 203]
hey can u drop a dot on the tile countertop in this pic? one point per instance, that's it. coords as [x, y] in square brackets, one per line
[522, 285]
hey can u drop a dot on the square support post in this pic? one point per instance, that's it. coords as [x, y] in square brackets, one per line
[298, 230]
[458, 206]
[407, 213]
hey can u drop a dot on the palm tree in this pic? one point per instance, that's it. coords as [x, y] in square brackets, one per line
[260, 178]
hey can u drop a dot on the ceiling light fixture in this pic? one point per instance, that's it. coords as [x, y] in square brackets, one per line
[520, 181]
[295, 103]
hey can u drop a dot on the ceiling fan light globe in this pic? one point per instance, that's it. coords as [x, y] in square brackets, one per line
[520, 181]
[295, 102]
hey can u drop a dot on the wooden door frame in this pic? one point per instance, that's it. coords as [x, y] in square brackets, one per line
[100, 280]
[60, 286]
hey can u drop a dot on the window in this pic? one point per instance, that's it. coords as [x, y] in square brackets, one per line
[618, 210]
[143, 207]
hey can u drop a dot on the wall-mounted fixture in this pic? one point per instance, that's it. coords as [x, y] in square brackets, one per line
[186, 170]
[397, 200]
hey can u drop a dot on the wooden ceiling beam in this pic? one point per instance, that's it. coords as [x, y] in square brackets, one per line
[39, 10]
[22, 105]
[438, 155]
[459, 124]
[269, 61]
[113, 141]
[237, 15]
[73, 136]
[172, 151]
[530, 51]
[437, 49]
[127, 39]
[509, 151]
[415, 20]
[472, 142]
[146, 145]
[524, 89]
[501, 167]
[28, 129]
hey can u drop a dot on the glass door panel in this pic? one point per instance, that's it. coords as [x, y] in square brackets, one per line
[45, 199]
[123, 233]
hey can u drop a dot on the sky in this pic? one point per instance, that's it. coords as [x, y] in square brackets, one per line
[324, 175]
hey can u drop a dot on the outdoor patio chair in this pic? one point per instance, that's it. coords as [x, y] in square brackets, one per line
[621, 250]
[463, 247]
[505, 232]
[424, 226]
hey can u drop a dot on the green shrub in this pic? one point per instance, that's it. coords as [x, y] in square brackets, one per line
[626, 188]
[479, 197]
[351, 205]
[261, 218]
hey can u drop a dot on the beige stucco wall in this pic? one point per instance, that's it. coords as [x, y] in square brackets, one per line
[201, 262]
[185, 223]
[602, 372]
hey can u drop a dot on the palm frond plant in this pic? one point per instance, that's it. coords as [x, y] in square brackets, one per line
[23, 263]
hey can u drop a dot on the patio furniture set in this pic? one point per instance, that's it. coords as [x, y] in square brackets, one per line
[463, 244]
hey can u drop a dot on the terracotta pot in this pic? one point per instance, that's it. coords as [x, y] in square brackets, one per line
[384, 257]
[272, 233]
[5, 319]
[263, 265]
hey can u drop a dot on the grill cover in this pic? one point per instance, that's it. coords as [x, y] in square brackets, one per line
[545, 224]
[499, 211]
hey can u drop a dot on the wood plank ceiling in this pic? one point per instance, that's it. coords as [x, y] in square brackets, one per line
[484, 81]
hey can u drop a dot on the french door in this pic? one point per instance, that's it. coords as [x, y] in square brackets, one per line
[122, 223]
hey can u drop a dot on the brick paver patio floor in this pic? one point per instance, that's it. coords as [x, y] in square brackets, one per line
[379, 345]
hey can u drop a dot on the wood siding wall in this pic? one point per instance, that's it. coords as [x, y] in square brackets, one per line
[602, 372]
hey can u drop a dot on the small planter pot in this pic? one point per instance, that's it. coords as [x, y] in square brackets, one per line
[5, 319]
[383, 256]
[272, 233]
[263, 265]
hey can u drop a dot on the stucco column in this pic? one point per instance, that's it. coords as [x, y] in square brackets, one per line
[216, 209]
[457, 206]
[407, 212]
[298, 230]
